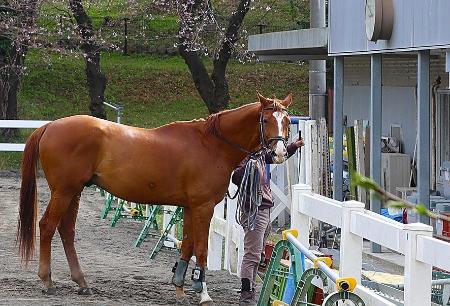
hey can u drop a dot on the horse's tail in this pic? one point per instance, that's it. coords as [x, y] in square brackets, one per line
[26, 229]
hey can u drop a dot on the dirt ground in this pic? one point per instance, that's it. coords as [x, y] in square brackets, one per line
[118, 272]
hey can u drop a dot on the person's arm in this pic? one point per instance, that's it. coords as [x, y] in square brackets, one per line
[293, 147]
[238, 173]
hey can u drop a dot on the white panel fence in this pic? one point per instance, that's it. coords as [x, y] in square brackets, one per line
[415, 241]
[18, 124]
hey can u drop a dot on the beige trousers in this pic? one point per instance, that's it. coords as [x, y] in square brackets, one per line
[254, 241]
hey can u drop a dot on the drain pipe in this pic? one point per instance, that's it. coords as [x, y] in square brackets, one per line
[434, 90]
[447, 65]
[317, 68]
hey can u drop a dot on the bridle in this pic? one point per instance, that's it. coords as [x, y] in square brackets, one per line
[263, 141]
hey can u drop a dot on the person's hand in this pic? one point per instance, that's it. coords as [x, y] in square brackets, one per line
[299, 142]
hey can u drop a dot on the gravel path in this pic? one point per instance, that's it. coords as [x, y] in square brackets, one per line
[118, 273]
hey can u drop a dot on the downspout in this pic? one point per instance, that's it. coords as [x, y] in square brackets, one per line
[317, 68]
[434, 90]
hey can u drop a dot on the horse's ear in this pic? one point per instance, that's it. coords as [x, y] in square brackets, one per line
[287, 101]
[263, 100]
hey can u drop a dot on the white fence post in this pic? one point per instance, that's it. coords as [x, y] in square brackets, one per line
[216, 240]
[417, 274]
[167, 217]
[302, 160]
[308, 152]
[300, 221]
[351, 245]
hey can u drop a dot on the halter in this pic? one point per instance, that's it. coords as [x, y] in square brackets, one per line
[263, 142]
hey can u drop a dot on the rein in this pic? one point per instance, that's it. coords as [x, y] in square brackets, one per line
[250, 192]
[233, 144]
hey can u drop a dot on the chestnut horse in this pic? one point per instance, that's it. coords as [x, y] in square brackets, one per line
[183, 163]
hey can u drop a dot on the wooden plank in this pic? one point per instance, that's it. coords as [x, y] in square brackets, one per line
[308, 153]
[314, 159]
[360, 157]
[350, 133]
[301, 157]
[325, 154]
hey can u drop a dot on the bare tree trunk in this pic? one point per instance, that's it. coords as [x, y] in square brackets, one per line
[213, 89]
[96, 80]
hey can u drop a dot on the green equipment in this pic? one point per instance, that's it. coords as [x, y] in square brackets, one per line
[303, 279]
[176, 219]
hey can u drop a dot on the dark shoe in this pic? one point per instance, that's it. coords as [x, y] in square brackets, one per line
[247, 298]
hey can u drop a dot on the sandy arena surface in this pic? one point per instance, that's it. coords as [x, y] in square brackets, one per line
[118, 273]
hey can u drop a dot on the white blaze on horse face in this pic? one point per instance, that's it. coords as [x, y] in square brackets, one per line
[280, 149]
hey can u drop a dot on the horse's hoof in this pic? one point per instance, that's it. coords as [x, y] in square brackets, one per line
[84, 291]
[49, 291]
[183, 300]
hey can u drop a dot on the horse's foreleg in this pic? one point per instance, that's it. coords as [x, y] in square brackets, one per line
[66, 230]
[201, 217]
[57, 207]
[187, 250]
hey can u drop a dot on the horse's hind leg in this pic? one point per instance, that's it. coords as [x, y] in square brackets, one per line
[66, 230]
[59, 203]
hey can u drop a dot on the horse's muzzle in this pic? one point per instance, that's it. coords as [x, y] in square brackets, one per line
[279, 153]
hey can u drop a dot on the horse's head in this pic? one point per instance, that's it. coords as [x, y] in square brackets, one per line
[274, 126]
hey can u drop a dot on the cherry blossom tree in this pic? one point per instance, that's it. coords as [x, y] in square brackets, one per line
[196, 16]
[17, 27]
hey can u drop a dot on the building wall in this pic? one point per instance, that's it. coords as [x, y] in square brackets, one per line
[396, 100]
[399, 101]
[417, 24]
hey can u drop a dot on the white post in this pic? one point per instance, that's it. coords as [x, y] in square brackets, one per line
[233, 242]
[307, 152]
[215, 246]
[351, 245]
[167, 217]
[300, 221]
[301, 161]
[315, 171]
[417, 274]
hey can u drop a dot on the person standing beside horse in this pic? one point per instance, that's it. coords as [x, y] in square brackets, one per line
[255, 220]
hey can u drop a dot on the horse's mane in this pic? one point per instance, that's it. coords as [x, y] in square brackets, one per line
[211, 124]
[212, 121]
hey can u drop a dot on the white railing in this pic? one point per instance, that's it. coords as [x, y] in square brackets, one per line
[415, 241]
[18, 124]
[422, 251]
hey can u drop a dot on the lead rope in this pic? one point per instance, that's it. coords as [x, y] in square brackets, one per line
[250, 193]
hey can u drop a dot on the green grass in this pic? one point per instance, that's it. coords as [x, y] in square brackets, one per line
[163, 24]
[155, 90]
